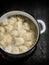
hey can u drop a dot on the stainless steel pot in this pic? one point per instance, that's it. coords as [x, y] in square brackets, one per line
[26, 54]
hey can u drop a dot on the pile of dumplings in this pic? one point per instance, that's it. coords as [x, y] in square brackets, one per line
[16, 35]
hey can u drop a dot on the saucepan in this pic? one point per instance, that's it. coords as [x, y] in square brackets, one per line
[39, 32]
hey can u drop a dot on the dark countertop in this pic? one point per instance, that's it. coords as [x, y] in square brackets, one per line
[39, 10]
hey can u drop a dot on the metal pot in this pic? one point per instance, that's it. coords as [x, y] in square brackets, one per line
[26, 54]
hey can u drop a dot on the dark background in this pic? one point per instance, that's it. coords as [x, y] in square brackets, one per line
[39, 10]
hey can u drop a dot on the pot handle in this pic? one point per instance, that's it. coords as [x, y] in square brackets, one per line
[43, 26]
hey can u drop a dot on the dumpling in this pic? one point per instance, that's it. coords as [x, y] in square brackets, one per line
[28, 43]
[15, 50]
[15, 33]
[1, 36]
[16, 26]
[9, 28]
[19, 41]
[27, 36]
[12, 20]
[2, 29]
[8, 48]
[19, 19]
[19, 26]
[5, 22]
[7, 39]
[22, 33]
[23, 48]
[26, 26]
[3, 44]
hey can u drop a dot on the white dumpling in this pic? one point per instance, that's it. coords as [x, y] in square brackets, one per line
[19, 26]
[23, 48]
[12, 20]
[5, 22]
[9, 28]
[1, 36]
[28, 36]
[3, 44]
[28, 43]
[15, 50]
[22, 33]
[16, 26]
[19, 19]
[15, 33]
[2, 29]
[7, 39]
[19, 41]
[26, 26]
[8, 48]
